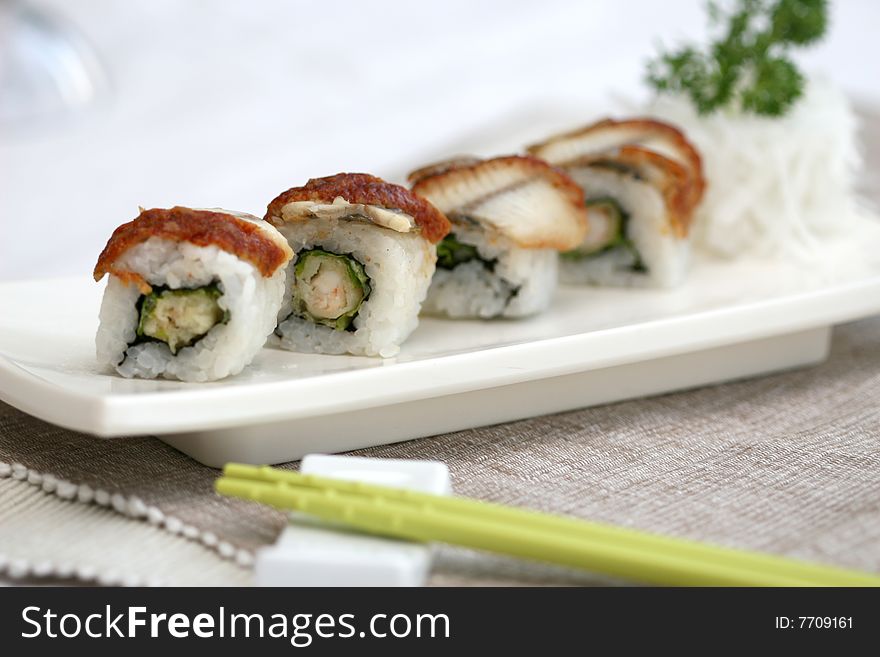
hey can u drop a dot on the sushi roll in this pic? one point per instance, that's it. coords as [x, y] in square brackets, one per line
[364, 257]
[643, 181]
[192, 294]
[510, 218]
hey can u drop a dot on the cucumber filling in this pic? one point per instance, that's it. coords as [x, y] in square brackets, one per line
[608, 222]
[179, 318]
[451, 253]
[329, 288]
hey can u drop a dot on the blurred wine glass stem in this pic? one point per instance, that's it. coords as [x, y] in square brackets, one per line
[46, 66]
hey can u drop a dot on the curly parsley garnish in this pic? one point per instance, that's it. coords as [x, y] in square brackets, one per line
[749, 65]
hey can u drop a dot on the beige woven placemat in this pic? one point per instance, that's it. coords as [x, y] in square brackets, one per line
[788, 463]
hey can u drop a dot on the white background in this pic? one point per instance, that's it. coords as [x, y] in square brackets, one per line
[228, 103]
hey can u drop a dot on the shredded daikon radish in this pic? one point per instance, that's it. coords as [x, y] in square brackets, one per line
[777, 186]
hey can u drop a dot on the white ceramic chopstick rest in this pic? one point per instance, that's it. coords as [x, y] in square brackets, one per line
[312, 553]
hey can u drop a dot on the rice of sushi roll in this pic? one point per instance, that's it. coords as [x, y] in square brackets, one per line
[510, 218]
[192, 294]
[643, 181]
[364, 257]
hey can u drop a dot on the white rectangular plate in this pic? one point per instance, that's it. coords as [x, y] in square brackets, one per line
[730, 320]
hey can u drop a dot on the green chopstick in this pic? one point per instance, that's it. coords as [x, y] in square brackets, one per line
[570, 526]
[813, 573]
[565, 541]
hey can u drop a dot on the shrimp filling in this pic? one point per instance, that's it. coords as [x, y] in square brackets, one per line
[329, 288]
[608, 224]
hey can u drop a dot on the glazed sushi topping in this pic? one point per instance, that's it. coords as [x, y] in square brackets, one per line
[329, 288]
[606, 135]
[181, 317]
[520, 198]
[360, 196]
[644, 149]
[245, 236]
